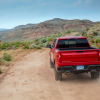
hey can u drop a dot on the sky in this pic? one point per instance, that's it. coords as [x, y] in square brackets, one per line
[21, 12]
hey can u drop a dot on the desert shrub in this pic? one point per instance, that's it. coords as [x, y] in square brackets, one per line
[64, 33]
[87, 29]
[32, 46]
[38, 47]
[43, 40]
[0, 71]
[15, 43]
[95, 33]
[93, 45]
[91, 37]
[97, 40]
[26, 47]
[37, 43]
[46, 44]
[49, 39]
[59, 35]
[6, 57]
[97, 37]
[72, 30]
[41, 45]
[99, 46]
[36, 40]
[6, 44]
[14, 47]
[68, 31]
[92, 41]
[0, 62]
[83, 32]
[2, 47]
[78, 34]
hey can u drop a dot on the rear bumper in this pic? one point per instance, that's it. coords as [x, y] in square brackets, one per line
[87, 68]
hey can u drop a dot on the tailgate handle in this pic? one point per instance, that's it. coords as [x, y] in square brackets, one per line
[79, 51]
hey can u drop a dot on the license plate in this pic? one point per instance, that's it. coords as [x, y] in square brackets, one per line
[79, 67]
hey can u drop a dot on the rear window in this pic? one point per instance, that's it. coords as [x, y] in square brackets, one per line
[72, 43]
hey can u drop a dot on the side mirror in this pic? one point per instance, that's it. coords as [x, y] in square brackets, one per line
[48, 46]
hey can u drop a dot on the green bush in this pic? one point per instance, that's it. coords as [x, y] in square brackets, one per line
[92, 41]
[26, 47]
[36, 40]
[6, 57]
[41, 45]
[43, 40]
[38, 47]
[95, 33]
[46, 44]
[83, 32]
[0, 71]
[99, 46]
[97, 37]
[32, 46]
[87, 29]
[37, 43]
[93, 45]
[78, 34]
[68, 31]
[14, 47]
[97, 40]
[2, 47]
[49, 39]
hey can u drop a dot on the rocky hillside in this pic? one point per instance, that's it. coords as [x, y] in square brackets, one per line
[94, 30]
[45, 28]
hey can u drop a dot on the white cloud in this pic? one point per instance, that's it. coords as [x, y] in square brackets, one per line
[77, 2]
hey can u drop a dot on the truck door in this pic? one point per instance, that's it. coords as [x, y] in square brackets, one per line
[52, 50]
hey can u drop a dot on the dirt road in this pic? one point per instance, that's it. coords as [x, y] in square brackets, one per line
[31, 78]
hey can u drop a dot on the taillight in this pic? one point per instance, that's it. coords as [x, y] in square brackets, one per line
[99, 55]
[59, 57]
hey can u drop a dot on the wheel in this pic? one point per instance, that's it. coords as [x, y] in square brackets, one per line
[51, 64]
[95, 75]
[58, 76]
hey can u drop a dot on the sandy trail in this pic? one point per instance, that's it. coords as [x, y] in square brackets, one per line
[31, 78]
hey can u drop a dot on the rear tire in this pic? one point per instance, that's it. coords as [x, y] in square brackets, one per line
[58, 76]
[51, 64]
[95, 75]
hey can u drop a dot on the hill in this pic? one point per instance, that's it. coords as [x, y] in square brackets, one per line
[45, 28]
[94, 30]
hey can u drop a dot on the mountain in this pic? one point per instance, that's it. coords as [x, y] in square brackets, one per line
[2, 29]
[45, 28]
[24, 26]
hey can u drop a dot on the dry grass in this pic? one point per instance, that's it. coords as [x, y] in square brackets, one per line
[16, 55]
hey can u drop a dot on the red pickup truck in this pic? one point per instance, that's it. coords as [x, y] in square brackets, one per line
[74, 55]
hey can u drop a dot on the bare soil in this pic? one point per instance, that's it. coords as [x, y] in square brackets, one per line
[31, 78]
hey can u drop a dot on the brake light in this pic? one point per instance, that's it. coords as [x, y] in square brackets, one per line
[59, 57]
[99, 55]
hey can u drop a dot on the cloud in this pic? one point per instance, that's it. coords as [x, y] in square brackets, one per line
[88, 1]
[77, 2]
[44, 3]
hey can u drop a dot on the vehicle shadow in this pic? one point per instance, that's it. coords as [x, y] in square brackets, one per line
[78, 78]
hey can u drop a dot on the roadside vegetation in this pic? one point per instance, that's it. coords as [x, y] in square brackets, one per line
[12, 51]
[18, 49]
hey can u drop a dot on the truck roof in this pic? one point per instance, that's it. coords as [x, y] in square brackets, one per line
[72, 37]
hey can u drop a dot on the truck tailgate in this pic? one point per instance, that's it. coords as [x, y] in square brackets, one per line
[80, 55]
